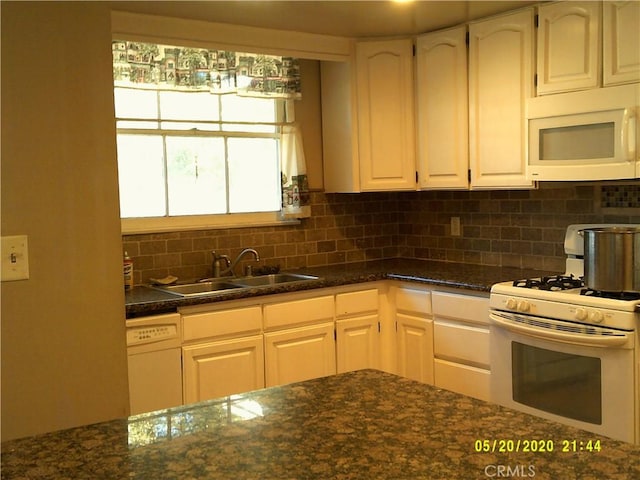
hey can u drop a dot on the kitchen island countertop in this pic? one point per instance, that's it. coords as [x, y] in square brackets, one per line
[142, 300]
[358, 425]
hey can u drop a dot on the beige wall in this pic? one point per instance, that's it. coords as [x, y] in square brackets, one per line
[63, 341]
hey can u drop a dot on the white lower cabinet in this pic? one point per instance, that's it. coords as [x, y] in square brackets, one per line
[460, 378]
[440, 338]
[357, 330]
[461, 343]
[227, 367]
[298, 354]
[414, 334]
[299, 340]
[223, 352]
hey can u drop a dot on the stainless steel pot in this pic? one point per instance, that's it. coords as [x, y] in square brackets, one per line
[612, 258]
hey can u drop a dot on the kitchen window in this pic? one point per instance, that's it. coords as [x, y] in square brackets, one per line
[203, 136]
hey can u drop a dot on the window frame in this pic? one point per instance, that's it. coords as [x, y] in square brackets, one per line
[132, 225]
[202, 222]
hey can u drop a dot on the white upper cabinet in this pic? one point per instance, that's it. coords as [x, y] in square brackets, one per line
[501, 57]
[584, 45]
[442, 102]
[621, 42]
[568, 46]
[368, 136]
[385, 107]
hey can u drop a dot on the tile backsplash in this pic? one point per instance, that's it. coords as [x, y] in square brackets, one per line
[620, 196]
[523, 228]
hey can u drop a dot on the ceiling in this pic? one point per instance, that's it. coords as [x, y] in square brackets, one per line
[342, 18]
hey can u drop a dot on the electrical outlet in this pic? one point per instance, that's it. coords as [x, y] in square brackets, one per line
[455, 226]
[15, 258]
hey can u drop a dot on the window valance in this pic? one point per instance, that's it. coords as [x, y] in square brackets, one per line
[169, 67]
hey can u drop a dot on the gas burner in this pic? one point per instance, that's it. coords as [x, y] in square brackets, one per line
[552, 283]
[625, 296]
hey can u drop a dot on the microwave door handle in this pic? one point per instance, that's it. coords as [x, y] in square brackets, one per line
[547, 334]
[628, 133]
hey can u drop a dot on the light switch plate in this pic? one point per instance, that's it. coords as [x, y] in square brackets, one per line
[15, 258]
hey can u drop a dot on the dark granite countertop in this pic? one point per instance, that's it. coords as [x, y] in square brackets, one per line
[359, 425]
[142, 300]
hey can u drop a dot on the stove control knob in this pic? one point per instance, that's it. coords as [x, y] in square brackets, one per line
[596, 316]
[512, 304]
[581, 314]
[523, 306]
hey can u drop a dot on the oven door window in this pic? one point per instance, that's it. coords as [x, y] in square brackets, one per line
[559, 383]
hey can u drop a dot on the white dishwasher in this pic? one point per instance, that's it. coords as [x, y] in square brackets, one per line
[155, 362]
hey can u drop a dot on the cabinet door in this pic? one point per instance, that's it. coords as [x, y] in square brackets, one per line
[357, 343]
[500, 81]
[621, 40]
[298, 354]
[415, 347]
[568, 46]
[384, 72]
[443, 106]
[223, 368]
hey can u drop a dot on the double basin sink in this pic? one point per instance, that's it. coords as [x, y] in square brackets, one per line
[227, 284]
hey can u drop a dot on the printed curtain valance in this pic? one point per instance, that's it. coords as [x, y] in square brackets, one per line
[183, 68]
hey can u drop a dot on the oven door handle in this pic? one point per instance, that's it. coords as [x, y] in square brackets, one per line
[574, 338]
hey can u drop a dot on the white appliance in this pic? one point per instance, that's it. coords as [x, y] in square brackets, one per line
[587, 135]
[566, 353]
[155, 362]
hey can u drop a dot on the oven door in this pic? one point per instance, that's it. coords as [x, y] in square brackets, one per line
[564, 372]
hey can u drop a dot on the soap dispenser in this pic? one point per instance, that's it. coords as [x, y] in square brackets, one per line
[128, 271]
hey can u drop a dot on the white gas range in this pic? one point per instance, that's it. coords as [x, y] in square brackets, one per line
[568, 353]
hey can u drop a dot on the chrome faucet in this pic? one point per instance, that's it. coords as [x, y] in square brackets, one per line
[248, 270]
[216, 265]
[219, 271]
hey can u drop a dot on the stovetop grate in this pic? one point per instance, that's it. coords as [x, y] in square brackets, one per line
[625, 296]
[552, 283]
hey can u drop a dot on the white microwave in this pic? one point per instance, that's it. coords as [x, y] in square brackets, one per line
[588, 135]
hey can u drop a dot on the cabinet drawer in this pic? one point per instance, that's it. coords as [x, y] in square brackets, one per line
[309, 310]
[413, 301]
[466, 343]
[461, 307]
[471, 381]
[221, 323]
[356, 302]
